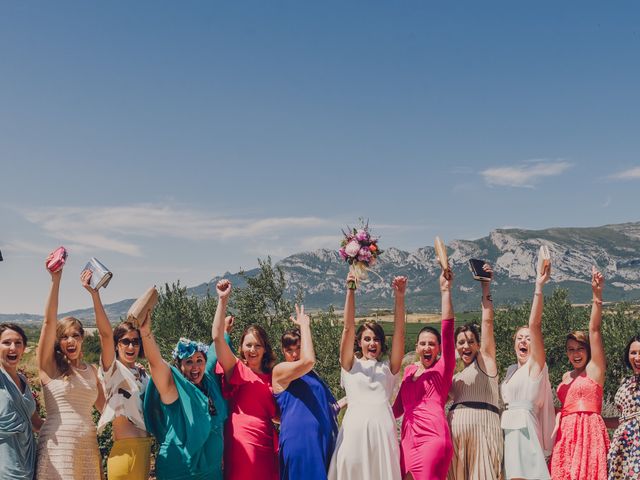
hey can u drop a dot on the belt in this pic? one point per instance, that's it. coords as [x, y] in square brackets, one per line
[477, 406]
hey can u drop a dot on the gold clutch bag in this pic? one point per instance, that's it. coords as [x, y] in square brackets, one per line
[137, 314]
[441, 254]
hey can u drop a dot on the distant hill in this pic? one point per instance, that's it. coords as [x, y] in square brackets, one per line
[320, 274]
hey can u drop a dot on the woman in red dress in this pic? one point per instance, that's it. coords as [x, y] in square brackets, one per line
[580, 451]
[250, 440]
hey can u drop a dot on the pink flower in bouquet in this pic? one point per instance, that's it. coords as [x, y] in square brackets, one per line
[352, 248]
[343, 253]
[362, 236]
[364, 255]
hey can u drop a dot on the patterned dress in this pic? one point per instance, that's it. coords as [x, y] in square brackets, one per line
[624, 453]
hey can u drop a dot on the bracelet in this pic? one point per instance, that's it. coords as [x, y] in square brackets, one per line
[488, 297]
[149, 335]
[537, 293]
[597, 301]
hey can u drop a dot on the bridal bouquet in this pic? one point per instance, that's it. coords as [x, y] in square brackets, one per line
[360, 250]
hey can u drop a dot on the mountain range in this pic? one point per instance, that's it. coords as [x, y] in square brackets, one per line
[320, 275]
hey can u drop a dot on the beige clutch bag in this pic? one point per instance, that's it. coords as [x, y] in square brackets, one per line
[544, 259]
[441, 254]
[137, 314]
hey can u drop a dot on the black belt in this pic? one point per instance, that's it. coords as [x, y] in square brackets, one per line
[476, 405]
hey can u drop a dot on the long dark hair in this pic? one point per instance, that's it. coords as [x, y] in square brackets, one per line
[635, 338]
[378, 331]
[120, 331]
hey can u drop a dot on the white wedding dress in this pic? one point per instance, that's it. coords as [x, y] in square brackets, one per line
[367, 445]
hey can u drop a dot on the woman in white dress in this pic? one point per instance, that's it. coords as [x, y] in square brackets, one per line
[367, 446]
[529, 419]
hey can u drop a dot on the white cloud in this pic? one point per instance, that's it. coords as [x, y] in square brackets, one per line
[630, 174]
[116, 228]
[526, 174]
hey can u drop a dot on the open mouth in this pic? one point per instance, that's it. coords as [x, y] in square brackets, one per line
[523, 350]
[71, 350]
[194, 375]
[12, 357]
[427, 356]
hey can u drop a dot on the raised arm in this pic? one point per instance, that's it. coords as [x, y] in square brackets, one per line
[160, 370]
[535, 324]
[399, 285]
[47, 342]
[286, 372]
[226, 358]
[488, 342]
[446, 331]
[597, 366]
[348, 327]
[105, 331]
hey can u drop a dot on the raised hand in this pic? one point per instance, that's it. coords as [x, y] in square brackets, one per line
[399, 285]
[228, 323]
[85, 279]
[352, 281]
[223, 289]
[544, 276]
[446, 280]
[301, 319]
[487, 268]
[597, 283]
[145, 327]
[54, 275]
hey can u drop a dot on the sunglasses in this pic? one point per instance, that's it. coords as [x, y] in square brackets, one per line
[127, 341]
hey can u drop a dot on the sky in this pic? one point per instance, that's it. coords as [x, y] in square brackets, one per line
[180, 140]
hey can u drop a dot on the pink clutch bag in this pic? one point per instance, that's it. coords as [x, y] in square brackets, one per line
[59, 256]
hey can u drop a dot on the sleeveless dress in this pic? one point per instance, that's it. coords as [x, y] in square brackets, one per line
[251, 441]
[426, 447]
[474, 419]
[367, 445]
[17, 443]
[308, 428]
[624, 453]
[580, 452]
[68, 445]
[528, 423]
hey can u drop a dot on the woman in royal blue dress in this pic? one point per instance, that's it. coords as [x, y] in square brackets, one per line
[308, 427]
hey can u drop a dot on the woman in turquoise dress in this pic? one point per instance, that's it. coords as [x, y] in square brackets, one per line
[308, 425]
[185, 411]
[18, 416]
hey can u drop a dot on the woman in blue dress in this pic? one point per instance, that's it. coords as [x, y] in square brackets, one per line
[308, 426]
[18, 415]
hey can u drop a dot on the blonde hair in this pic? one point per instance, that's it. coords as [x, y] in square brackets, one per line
[62, 362]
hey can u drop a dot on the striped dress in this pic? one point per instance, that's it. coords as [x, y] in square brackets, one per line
[68, 444]
[475, 426]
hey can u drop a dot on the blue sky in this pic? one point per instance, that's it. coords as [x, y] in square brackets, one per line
[179, 140]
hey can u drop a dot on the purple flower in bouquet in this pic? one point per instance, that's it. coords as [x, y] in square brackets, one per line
[362, 236]
[343, 253]
[364, 255]
[352, 249]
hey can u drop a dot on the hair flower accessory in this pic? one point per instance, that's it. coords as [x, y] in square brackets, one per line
[185, 348]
